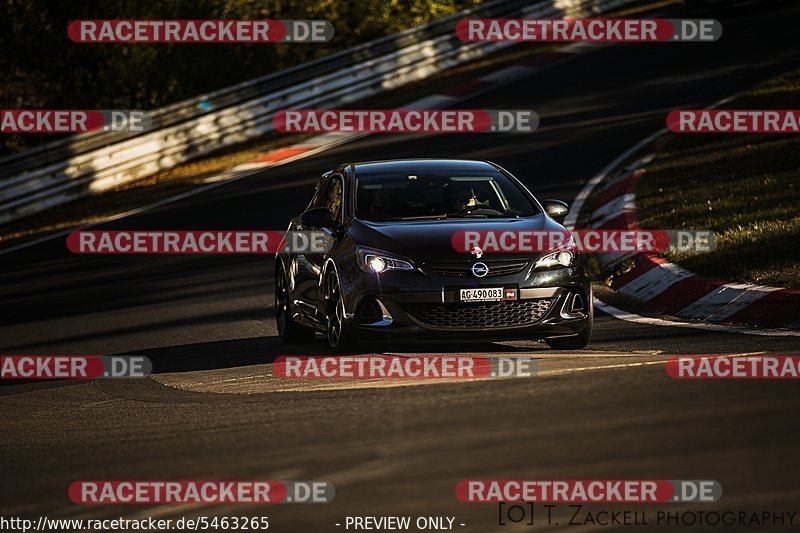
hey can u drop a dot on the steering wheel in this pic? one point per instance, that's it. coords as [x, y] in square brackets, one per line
[476, 210]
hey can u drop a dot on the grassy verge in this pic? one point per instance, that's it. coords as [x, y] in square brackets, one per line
[746, 187]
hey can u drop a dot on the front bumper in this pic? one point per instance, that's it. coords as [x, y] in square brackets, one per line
[416, 306]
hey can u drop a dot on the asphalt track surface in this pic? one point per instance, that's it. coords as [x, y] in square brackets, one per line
[213, 411]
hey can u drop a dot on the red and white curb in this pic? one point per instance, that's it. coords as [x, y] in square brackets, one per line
[666, 287]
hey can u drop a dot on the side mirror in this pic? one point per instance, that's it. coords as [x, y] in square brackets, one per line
[319, 217]
[556, 209]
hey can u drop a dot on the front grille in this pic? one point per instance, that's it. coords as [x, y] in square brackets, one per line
[480, 315]
[463, 269]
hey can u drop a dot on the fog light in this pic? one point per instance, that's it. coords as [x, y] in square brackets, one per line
[377, 265]
[565, 258]
[577, 303]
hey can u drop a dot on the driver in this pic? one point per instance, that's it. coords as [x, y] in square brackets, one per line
[459, 199]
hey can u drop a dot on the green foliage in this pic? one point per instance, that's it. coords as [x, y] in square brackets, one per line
[43, 69]
[745, 187]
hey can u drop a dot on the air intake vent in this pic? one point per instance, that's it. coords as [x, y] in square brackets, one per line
[480, 315]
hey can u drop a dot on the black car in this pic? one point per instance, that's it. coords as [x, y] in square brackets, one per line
[392, 272]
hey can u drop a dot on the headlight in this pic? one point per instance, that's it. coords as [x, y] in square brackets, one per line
[377, 262]
[556, 259]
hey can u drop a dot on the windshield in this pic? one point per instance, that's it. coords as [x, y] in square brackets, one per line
[404, 196]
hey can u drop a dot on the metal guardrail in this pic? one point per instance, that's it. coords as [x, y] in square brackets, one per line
[87, 164]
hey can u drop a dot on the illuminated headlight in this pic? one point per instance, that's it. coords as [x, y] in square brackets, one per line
[377, 262]
[556, 259]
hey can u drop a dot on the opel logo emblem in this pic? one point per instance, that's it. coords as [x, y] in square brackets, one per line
[479, 270]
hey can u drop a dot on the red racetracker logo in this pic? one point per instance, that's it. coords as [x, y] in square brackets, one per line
[589, 29]
[515, 241]
[200, 492]
[589, 241]
[176, 492]
[50, 121]
[734, 121]
[72, 121]
[734, 367]
[405, 121]
[199, 31]
[34, 367]
[588, 491]
[407, 367]
[50, 367]
[197, 242]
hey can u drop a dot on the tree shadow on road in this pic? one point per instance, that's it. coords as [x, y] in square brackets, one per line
[264, 350]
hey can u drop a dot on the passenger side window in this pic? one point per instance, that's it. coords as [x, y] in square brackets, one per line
[329, 196]
[333, 199]
[321, 195]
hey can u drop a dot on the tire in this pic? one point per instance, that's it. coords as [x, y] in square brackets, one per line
[338, 332]
[575, 342]
[288, 330]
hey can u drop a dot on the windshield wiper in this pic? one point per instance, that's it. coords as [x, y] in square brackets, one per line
[450, 216]
[460, 215]
[482, 215]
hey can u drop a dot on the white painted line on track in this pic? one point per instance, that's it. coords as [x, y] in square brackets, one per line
[599, 367]
[655, 281]
[723, 328]
[612, 209]
[720, 305]
[627, 206]
[625, 365]
[271, 384]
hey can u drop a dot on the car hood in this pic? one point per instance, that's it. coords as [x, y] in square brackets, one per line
[430, 240]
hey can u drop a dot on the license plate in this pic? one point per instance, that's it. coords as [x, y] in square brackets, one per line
[493, 294]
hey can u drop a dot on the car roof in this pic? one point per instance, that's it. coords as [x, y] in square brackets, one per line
[420, 165]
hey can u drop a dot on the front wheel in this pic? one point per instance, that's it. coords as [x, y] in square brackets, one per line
[337, 329]
[575, 342]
